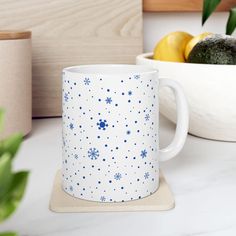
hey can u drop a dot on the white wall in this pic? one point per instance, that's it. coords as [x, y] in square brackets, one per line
[156, 25]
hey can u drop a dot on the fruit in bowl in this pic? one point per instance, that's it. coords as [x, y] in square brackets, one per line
[206, 69]
[172, 47]
[206, 48]
[215, 49]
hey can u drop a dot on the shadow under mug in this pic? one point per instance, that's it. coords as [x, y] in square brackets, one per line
[110, 131]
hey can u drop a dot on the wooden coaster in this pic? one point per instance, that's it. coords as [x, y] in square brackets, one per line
[60, 201]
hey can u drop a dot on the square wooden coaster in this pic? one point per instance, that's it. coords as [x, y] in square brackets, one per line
[161, 200]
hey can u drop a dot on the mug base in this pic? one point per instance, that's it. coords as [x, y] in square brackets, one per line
[137, 193]
[113, 201]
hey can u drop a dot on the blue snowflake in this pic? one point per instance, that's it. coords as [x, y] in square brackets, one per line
[93, 153]
[143, 153]
[128, 132]
[108, 100]
[117, 176]
[136, 76]
[130, 93]
[103, 198]
[146, 175]
[87, 81]
[71, 188]
[102, 124]
[76, 156]
[66, 97]
[147, 117]
[71, 126]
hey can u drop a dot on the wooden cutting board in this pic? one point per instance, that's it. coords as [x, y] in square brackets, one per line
[73, 32]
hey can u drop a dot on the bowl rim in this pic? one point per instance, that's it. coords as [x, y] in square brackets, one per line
[147, 55]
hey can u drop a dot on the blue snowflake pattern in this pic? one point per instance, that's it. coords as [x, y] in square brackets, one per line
[76, 156]
[136, 76]
[66, 97]
[71, 188]
[71, 126]
[108, 100]
[102, 124]
[103, 198]
[117, 176]
[147, 117]
[93, 153]
[87, 81]
[130, 93]
[146, 175]
[143, 153]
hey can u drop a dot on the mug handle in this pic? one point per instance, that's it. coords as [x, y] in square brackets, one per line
[182, 121]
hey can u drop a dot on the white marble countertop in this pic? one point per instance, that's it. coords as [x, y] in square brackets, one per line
[202, 178]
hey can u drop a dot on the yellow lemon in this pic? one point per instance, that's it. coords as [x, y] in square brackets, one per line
[172, 47]
[193, 42]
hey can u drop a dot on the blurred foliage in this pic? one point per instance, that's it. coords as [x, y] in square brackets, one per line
[208, 8]
[12, 184]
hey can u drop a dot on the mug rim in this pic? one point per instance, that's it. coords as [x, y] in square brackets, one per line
[115, 69]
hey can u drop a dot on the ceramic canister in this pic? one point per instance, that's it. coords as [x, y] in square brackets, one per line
[15, 82]
[111, 131]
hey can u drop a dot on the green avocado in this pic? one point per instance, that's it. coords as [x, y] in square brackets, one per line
[214, 49]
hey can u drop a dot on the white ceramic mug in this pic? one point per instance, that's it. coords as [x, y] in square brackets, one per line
[110, 131]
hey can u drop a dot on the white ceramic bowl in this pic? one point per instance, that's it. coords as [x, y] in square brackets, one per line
[210, 91]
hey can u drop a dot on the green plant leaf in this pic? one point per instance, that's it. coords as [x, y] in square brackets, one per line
[208, 7]
[231, 23]
[8, 234]
[11, 144]
[6, 175]
[15, 193]
[1, 118]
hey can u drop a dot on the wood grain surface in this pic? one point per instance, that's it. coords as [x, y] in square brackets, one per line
[72, 32]
[6, 35]
[182, 5]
